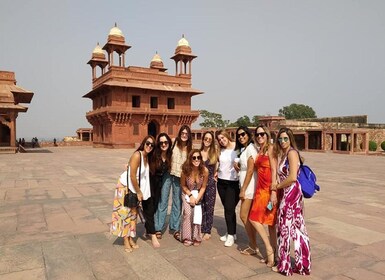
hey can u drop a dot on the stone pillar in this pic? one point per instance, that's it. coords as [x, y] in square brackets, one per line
[12, 129]
[306, 141]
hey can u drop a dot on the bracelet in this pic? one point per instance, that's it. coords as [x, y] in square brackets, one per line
[190, 195]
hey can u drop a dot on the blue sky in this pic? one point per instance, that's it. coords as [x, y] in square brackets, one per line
[254, 57]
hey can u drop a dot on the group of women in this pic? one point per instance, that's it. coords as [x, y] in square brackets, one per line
[251, 169]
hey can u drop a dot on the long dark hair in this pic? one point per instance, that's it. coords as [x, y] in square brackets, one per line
[187, 165]
[238, 145]
[179, 141]
[141, 147]
[157, 161]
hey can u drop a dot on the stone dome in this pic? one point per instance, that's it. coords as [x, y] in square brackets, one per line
[183, 42]
[115, 31]
[156, 58]
[98, 50]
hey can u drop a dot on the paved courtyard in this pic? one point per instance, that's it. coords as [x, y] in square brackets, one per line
[55, 207]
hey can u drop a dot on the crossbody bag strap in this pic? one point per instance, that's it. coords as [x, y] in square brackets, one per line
[140, 169]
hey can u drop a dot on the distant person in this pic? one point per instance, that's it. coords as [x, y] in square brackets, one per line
[124, 218]
[193, 182]
[23, 142]
[228, 185]
[54, 142]
[33, 142]
[291, 223]
[210, 158]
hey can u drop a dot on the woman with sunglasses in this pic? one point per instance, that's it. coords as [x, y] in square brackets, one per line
[124, 218]
[291, 223]
[247, 153]
[210, 158]
[264, 209]
[181, 148]
[160, 165]
[228, 185]
[193, 181]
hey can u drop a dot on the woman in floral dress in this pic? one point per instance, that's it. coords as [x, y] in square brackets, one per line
[193, 182]
[124, 218]
[291, 223]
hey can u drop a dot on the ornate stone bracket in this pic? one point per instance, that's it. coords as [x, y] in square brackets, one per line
[5, 122]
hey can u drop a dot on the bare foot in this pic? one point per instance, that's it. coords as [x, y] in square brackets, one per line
[127, 246]
[154, 241]
[133, 243]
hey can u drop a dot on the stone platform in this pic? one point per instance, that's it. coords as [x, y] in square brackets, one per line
[55, 207]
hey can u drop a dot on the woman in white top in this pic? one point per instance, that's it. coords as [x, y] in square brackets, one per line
[247, 154]
[228, 185]
[124, 218]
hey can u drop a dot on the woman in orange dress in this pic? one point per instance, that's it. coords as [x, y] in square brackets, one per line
[264, 208]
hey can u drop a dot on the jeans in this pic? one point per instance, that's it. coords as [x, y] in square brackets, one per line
[169, 182]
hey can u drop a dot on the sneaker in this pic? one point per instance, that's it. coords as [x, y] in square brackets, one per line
[229, 241]
[223, 238]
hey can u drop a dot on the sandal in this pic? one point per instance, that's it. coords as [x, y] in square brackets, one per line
[177, 235]
[158, 234]
[270, 258]
[197, 243]
[187, 242]
[248, 251]
[206, 236]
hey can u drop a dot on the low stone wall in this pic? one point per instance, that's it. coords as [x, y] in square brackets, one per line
[64, 144]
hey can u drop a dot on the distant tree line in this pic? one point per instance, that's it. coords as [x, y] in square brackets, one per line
[293, 111]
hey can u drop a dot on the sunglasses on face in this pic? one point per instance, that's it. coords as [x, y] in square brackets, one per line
[196, 157]
[208, 139]
[163, 143]
[241, 134]
[283, 139]
[184, 133]
[260, 134]
[150, 144]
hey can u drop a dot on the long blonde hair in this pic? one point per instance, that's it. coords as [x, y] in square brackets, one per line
[267, 144]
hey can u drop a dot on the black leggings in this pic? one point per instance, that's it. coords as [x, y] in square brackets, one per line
[229, 193]
[148, 212]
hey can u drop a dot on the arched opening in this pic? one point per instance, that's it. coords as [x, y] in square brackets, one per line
[153, 128]
[5, 135]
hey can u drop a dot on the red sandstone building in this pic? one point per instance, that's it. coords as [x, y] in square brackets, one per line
[129, 103]
[11, 96]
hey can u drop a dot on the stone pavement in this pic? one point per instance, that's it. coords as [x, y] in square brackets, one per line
[55, 206]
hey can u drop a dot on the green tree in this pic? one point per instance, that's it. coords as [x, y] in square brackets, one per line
[255, 121]
[212, 119]
[297, 111]
[244, 121]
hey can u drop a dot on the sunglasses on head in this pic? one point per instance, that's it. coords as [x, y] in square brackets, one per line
[150, 144]
[196, 157]
[163, 143]
[241, 134]
[261, 134]
[283, 139]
